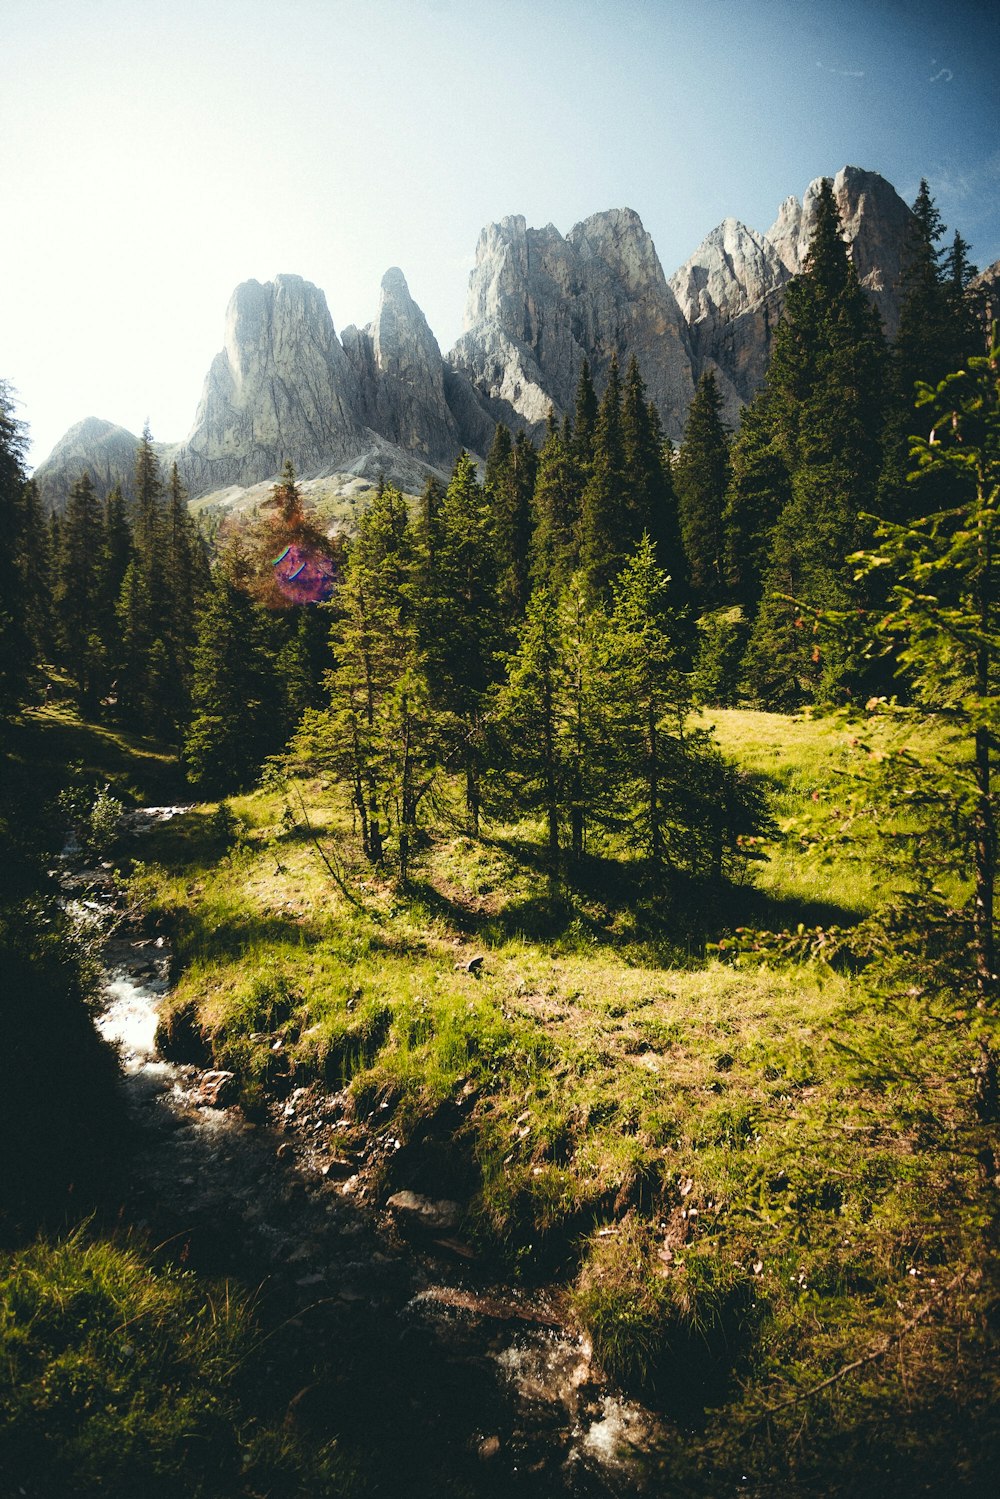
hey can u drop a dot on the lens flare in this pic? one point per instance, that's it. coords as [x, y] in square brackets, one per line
[304, 575]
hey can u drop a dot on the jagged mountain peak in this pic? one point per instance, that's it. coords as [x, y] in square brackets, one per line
[874, 221]
[733, 268]
[539, 302]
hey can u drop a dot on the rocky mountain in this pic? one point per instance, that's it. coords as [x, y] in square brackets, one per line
[100, 448]
[730, 295]
[539, 304]
[381, 399]
[874, 219]
[731, 291]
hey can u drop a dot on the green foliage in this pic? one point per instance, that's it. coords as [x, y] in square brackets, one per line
[701, 476]
[16, 580]
[509, 486]
[721, 642]
[822, 412]
[236, 719]
[941, 623]
[673, 1323]
[127, 1377]
[558, 486]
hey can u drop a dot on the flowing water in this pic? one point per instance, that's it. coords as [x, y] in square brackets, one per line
[405, 1343]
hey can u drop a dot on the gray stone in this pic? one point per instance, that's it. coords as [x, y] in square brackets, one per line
[92, 446]
[424, 1213]
[539, 304]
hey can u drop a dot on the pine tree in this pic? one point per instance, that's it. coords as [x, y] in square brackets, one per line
[16, 656]
[701, 477]
[548, 720]
[824, 399]
[140, 604]
[235, 718]
[941, 621]
[760, 488]
[380, 733]
[650, 495]
[458, 617]
[604, 518]
[185, 578]
[509, 487]
[584, 418]
[289, 559]
[78, 591]
[556, 505]
[650, 698]
[116, 554]
[35, 568]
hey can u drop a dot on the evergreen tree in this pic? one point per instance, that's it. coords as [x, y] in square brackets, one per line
[140, 605]
[584, 418]
[36, 570]
[116, 554]
[458, 617]
[509, 487]
[16, 657]
[235, 718]
[547, 718]
[942, 623]
[824, 402]
[185, 577]
[289, 559]
[701, 477]
[760, 488]
[558, 485]
[650, 698]
[923, 346]
[379, 735]
[78, 591]
[604, 519]
[650, 496]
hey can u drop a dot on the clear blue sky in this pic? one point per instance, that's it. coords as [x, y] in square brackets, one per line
[157, 152]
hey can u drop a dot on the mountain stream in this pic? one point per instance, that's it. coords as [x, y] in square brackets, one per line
[445, 1377]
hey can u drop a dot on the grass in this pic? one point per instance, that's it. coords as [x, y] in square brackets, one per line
[122, 1375]
[751, 1175]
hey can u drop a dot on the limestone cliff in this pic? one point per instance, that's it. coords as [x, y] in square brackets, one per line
[381, 400]
[400, 376]
[875, 225]
[93, 446]
[730, 294]
[540, 303]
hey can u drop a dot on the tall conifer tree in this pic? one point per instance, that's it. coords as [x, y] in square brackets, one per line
[459, 618]
[604, 520]
[824, 399]
[701, 477]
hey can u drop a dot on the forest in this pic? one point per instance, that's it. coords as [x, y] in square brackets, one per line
[603, 842]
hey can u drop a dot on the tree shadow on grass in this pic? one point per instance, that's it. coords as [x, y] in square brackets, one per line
[610, 902]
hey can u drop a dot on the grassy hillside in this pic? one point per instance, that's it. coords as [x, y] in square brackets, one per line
[761, 1180]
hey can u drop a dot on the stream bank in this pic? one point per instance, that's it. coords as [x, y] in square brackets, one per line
[440, 1380]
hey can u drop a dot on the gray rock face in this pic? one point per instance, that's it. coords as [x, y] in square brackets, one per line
[282, 387]
[875, 224]
[986, 288]
[732, 289]
[92, 446]
[380, 400]
[730, 294]
[539, 304]
[400, 376]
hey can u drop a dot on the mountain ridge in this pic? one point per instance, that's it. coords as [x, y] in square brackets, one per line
[383, 401]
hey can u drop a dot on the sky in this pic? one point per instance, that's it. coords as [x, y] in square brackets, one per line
[158, 152]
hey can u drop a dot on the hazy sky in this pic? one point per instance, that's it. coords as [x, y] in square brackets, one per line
[157, 152]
